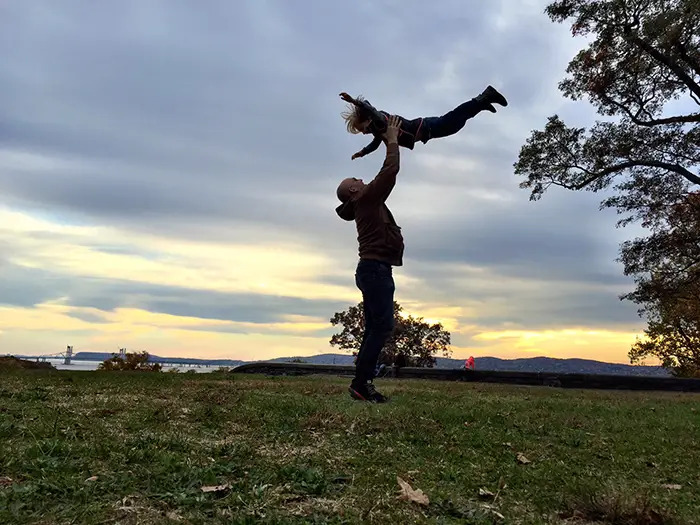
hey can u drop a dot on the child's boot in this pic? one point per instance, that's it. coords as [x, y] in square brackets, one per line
[491, 96]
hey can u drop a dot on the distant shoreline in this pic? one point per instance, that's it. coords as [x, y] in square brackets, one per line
[91, 360]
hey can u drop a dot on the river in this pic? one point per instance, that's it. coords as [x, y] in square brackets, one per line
[78, 365]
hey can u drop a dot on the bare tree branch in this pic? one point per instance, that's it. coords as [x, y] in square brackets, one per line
[682, 52]
[646, 46]
[695, 117]
[696, 100]
[676, 168]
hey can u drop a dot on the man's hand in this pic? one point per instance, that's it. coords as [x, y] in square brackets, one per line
[392, 131]
[347, 98]
[357, 155]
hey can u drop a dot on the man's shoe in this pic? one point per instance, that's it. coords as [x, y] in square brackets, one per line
[375, 396]
[366, 392]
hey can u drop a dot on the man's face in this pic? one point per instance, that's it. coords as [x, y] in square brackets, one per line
[358, 185]
[355, 185]
[348, 187]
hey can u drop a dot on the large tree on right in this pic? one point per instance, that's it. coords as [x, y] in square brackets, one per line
[641, 71]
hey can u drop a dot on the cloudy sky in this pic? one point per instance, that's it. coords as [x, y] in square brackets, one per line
[168, 174]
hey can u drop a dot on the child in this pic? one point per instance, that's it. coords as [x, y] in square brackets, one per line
[362, 117]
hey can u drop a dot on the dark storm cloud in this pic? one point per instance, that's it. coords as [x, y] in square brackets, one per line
[27, 287]
[156, 101]
[186, 302]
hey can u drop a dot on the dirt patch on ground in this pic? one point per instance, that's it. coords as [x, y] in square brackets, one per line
[11, 362]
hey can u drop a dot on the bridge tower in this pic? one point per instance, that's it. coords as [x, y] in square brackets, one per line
[68, 356]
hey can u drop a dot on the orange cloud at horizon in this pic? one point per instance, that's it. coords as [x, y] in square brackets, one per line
[75, 252]
[49, 328]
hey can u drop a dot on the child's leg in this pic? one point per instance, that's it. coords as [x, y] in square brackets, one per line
[453, 121]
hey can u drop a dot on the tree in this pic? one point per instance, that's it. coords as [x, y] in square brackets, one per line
[668, 285]
[643, 58]
[131, 361]
[413, 341]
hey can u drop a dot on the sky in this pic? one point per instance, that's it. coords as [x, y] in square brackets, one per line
[168, 173]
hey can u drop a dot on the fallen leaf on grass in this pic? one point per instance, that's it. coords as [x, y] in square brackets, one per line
[91, 479]
[5, 481]
[216, 488]
[486, 493]
[522, 459]
[409, 494]
[672, 486]
[494, 512]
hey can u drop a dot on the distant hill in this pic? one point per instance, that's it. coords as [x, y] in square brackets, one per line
[531, 364]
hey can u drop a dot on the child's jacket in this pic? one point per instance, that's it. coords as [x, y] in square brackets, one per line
[409, 132]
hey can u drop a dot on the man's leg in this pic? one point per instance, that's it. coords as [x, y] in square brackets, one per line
[376, 282]
[379, 300]
[369, 323]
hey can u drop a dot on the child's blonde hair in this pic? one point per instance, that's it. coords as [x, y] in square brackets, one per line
[353, 116]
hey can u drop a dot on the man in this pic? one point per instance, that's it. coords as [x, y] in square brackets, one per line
[380, 247]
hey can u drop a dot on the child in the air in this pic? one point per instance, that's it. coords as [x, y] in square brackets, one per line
[362, 117]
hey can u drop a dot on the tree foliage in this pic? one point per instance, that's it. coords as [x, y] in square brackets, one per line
[667, 269]
[641, 71]
[413, 342]
[137, 361]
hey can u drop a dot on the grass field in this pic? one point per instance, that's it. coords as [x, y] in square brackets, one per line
[127, 448]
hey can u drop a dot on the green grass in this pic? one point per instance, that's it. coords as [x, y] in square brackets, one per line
[299, 450]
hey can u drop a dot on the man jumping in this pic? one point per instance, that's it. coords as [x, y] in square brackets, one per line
[381, 246]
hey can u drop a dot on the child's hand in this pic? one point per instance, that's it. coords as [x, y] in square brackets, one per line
[346, 97]
[356, 156]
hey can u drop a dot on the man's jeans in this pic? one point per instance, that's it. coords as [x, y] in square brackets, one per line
[376, 282]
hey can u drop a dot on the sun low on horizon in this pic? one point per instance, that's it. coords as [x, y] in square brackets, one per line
[168, 182]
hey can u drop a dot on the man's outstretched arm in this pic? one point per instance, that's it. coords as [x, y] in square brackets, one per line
[384, 182]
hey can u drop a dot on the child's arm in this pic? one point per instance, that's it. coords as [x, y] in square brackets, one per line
[372, 112]
[348, 98]
[369, 148]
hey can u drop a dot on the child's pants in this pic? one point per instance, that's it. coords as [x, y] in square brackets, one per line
[451, 122]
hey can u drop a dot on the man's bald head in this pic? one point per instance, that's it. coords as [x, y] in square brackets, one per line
[349, 187]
